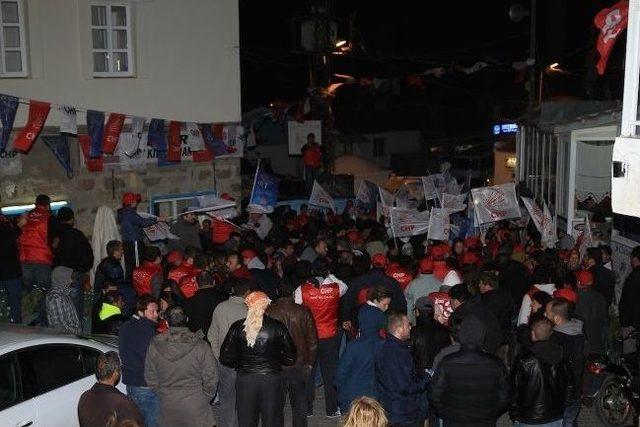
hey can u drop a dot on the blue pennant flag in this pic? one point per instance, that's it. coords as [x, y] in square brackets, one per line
[157, 138]
[8, 108]
[95, 129]
[214, 144]
[265, 190]
[59, 146]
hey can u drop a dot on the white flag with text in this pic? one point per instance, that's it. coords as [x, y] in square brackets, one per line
[439, 225]
[319, 197]
[408, 222]
[493, 204]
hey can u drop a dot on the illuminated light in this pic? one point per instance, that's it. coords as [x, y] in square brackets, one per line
[511, 162]
[17, 209]
[341, 43]
[554, 66]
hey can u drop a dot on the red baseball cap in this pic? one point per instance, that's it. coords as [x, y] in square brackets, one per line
[426, 265]
[130, 198]
[469, 258]
[174, 257]
[584, 278]
[379, 260]
[398, 273]
[567, 294]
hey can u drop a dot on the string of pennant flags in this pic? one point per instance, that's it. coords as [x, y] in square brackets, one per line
[205, 141]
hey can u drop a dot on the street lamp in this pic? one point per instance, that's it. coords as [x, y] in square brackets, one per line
[549, 69]
[341, 43]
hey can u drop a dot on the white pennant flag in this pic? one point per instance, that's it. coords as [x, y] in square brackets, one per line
[429, 188]
[194, 137]
[453, 203]
[493, 204]
[439, 225]
[68, 120]
[129, 143]
[542, 220]
[319, 197]
[408, 222]
[401, 197]
[585, 240]
[385, 197]
[364, 195]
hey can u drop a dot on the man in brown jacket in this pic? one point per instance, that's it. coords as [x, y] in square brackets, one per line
[299, 321]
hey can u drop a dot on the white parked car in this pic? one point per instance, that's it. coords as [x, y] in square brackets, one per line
[43, 373]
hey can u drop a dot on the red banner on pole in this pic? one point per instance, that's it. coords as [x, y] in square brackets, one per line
[174, 152]
[112, 132]
[611, 22]
[93, 164]
[38, 112]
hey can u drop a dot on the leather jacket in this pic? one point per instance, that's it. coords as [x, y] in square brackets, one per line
[543, 384]
[273, 348]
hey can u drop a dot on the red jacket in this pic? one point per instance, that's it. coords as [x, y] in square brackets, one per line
[312, 157]
[143, 276]
[189, 284]
[324, 303]
[221, 231]
[180, 271]
[33, 243]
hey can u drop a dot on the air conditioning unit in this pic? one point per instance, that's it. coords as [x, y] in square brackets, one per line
[625, 178]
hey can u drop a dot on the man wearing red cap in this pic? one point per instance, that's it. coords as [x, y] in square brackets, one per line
[131, 227]
[591, 308]
[424, 284]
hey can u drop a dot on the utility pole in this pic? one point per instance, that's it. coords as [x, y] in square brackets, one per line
[532, 53]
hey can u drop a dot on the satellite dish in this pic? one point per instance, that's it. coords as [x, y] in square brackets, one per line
[517, 12]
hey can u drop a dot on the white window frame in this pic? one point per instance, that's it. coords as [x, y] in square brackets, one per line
[23, 44]
[110, 50]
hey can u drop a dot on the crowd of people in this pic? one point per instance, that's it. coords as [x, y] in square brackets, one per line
[247, 313]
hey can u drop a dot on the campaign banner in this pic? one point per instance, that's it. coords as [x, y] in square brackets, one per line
[429, 188]
[38, 113]
[112, 131]
[265, 191]
[495, 203]
[439, 225]
[408, 222]
[320, 197]
[453, 203]
[542, 220]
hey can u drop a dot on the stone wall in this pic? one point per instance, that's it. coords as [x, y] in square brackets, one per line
[86, 191]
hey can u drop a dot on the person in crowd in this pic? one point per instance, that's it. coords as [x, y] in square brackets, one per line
[372, 312]
[60, 310]
[629, 306]
[251, 260]
[359, 288]
[258, 363]
[99, 405]
[428, 336]
[302, 218]
[187, 228]
[607, 260]
[10, 268]
[512, 274]
[321, 295]
[110, 268]
[424, 284]
[464, 305]
[319, 249]
[132, 228]
[543, 277]
[470, 386]
[206, 236]
[498, 302]
[73, 250]
[567, 332]
[148, 277]
[225, 315]
[355, 375]
[591, 307]
[110, 316]
[300, 324]
[260, 223]
[186, 268]
[312, 160]
[522, 336]
[604, 279]
[541, 381]
[399, 387]
[365, 411]
[134, 338]
[235, 264]
[181, 369]
[200, 307]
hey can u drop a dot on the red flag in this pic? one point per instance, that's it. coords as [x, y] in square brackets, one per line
[95, 164]
[38, 112]
[112, 132]
[174, 152]
[611, 22]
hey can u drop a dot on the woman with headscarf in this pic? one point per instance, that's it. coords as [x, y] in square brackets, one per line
[257, 347]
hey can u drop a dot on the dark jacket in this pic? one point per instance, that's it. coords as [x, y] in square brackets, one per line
[399, 388]
[629, 307]
[428, 337]
[499, 303]
[266, 281]
[592, 309]
[371, 317]
[470, 387]
[188, 233]
[299, 322]
[349, 304]
[571, 338]
[542, 384]
[132, 224]
[9, 258]
[98, 404]
[513, 277]
[73, 250]
[199, 308]
[273, 348]
[493, 336]
[134, 338]
[604, 281]
[109, 270]
[355, 376]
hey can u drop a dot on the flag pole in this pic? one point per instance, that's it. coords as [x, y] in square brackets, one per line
[255, 178]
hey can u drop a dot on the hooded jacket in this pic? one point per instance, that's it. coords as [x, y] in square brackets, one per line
[542, 384]
[61, 312]
[570, 336]
[181, 370]
[470, 387]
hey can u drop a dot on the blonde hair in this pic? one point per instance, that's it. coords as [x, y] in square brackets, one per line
[365, 412]
[257, 303]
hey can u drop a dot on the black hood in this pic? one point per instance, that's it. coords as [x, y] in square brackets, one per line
[548, 351]
[472, 332]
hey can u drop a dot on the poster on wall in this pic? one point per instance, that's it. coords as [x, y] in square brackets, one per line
[298, 133]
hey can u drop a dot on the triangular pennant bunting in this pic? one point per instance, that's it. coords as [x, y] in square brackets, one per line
[8, 108]
[59, 146]
[38, 113]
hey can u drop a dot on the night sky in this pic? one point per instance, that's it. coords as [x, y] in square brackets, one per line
[398, 40]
